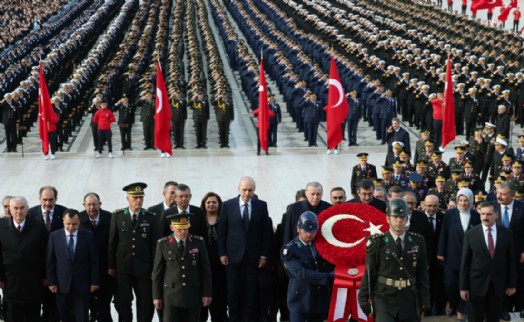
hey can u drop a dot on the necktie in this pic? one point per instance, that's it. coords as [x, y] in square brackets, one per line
[491, 244]
[71, 246]
[134, 220]
[397, 178]
[245, 216]
[432, 222]
[181, 247]
[399, 246]
[312, 250]
[47, 221]
[19, 228]
[93, 223]
[506, 217]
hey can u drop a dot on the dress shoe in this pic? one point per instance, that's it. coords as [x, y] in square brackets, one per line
[182, 147]
[267, 153]
[504, 315]
[130, 148]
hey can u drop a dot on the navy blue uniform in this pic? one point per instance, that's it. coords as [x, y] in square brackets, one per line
[310, 281]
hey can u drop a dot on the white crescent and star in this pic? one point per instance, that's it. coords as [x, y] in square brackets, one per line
[327, 230]
[260, 88]
[338, 86]
[160, 103]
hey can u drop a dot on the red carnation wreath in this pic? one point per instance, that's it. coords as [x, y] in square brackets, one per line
[343, 230]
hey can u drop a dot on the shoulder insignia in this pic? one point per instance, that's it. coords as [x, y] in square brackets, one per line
[163, 239]
[148, 212]
[197, 237]
[120, 210]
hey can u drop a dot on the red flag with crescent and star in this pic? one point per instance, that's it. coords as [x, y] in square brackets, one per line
[343, 230]
[162, 115]
[448, 113]
[263, 109]
[337, 107]
[44, 111]
[484, 4]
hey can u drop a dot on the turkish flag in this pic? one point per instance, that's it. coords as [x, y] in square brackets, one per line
[263, 110]
[45, 111]
[448, 114]
[504, 13]
[484, 4]
[337, 107]
[162, 115]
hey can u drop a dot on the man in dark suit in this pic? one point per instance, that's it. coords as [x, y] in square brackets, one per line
[512, 217]
[196, 215]
[488, 267]
[181, 259]
[72, 268]
[133, 235]
[365, 191]
[417, 221]
[243, 246]
[50, 213]
[397, 134]
[436, 272]
[97, 220]
[169, 194]
[312, 203]
[23, 244]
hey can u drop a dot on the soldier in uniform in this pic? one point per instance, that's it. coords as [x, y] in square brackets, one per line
[517, 177]
[362, 171]
[147, 116]
[420, 148]
[478, 147]
[133, 235]
[408, 166]
[181, 273]
[438, 167]
[310, 276]
[178, 119]
[519, 153]
[200, 108]
[126, 119]
[225, 114]
[10, 120]
[458, 161]
[472, 178]
[440, 191]
[395, 286]
[400, 178]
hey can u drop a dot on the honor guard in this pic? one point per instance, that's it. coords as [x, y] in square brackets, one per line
[395, 286]
[362, 171]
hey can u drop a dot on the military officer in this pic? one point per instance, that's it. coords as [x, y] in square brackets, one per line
[362, 171]
[457, 162]
[181, 273]
[395, 286]
[200, 108]
[441, 192]
[147, 116]
[178, 119]
[310, 276]
[126, 119]
[133, 235]
[10, 120]
[225, 114]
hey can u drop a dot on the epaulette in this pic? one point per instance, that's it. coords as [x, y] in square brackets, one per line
[163, 239]
[413, 234]
[148, 212]
[373, 243]
[119, 210]
[197, 237]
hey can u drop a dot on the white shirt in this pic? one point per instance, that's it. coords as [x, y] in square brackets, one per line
[493, 234]
[75, 237]
[22, 224]
[50, 214]
[165, 206]
[241, 203]
[186, 211]
[464, 219]
[434, 221]
[395, 237]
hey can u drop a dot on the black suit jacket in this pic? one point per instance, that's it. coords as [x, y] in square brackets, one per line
[237, 243]
[432, 254]
[290, 219]
[516, 225]
[419, 224]
[157, 209]
[196, 218]
[401, 136]
[58, 215]
[478, 269]
[22, 260]
[101, 235]
[376, 203]
[76, 273]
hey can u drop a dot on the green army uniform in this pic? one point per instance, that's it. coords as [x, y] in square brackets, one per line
[395, 289]
[443, 197]
[181, 280]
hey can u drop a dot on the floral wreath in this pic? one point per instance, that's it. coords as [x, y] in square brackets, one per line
[343, 230]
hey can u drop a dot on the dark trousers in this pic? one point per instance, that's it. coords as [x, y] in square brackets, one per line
[149, 134]
[385, 121]
[471, 123]
[459, 122]
[370, 116]
[309, 317]
[94, 132]
[52, 142]
[484, 308]
[10, 136]
[144, 294]
[437, 296]
[437, 127]
[23, 312]
[312, 131]
[451, 281]
[242, 291]
[105, 136]
[218, 307]
[201, 133]
[125, 135]
[299, 118]
[352, 131]
[49, 310]
[178, 133]
[223, 133]
[376, 125]
[181, 314]
[100, 303]
[73, 306]
[273, 134]
[386, 317]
